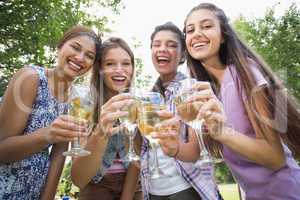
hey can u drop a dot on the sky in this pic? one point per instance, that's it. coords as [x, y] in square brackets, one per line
[137, 20]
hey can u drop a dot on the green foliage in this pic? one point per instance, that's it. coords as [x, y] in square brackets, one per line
[141, 80]
[277, 40]
[30, 30]
[223, 174]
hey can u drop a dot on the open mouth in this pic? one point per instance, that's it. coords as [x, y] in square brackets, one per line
[119, 79]
[199, 45]
[74, 66]
[162, 60]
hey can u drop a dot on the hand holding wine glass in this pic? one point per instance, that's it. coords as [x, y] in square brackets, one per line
[149, 104]
[80, 109]
[167, 132]
[129, 122]
[188, 101]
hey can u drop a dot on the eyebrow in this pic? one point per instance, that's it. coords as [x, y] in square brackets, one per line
[88, 51]
[201, 21]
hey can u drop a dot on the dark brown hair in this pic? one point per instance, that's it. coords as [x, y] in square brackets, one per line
[274, 97]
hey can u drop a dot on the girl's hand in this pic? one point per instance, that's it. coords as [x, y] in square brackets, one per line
[64, 129]
[168, 133]
[110, 112]
[214, 117]
[210, 109]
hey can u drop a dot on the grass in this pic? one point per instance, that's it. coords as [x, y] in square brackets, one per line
[229, 191]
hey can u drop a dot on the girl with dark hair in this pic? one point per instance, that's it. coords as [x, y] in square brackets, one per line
[104, 174]
[32, 119]
[248, 110]
[182, 180]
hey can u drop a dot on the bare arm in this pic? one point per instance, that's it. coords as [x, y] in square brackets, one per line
[16, 108]
[85, 168]
[265, 149]
[131, 181]
[55, 170]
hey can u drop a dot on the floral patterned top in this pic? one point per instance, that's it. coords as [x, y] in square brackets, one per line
[24, 179]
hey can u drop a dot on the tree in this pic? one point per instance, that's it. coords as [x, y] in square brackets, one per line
[277, 40]
[30, 29]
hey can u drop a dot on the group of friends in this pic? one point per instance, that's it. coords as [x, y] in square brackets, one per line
[250, 119]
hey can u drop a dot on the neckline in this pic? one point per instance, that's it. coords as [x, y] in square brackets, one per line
[49, 91]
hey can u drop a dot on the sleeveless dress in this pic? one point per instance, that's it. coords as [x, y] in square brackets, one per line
[25, 179]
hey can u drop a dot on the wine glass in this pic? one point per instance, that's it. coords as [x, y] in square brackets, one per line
[81, 107]
[129, 123]
[188, 113]
[149, 104]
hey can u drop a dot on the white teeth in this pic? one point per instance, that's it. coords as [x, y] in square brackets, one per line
[199, 44]
[162, 58]
[75, 65]
[119, 78]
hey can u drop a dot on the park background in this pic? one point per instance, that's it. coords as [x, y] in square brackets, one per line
[30, 29]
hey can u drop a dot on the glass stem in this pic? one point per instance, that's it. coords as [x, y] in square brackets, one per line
[203, 150]
[131, 148]
[154, 146]
[76, 143]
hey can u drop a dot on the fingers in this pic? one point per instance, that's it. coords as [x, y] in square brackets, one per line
[69, 123]
[211, 105]
[201, 85]
[114, 99]
[164, 114]
[201, 95]
[111, 117]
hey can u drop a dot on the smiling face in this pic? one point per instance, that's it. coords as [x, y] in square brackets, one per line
[166, 52]
[76, 56]
[203, 35]
[117, 69]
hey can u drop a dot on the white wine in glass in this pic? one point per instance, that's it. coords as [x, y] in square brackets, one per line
[188, 113]
[81, 108]
[150, 103]
[129, 122]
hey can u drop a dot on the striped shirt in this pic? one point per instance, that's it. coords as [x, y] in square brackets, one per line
[201, 179]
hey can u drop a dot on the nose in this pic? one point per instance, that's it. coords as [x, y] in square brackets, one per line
[162, 47]
[80, 57]
[199, 32]
[119, 67]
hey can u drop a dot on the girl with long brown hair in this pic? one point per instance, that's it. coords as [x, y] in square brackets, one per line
[249, 111]
[104, 173]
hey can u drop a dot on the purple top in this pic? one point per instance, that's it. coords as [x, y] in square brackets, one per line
[258, 182]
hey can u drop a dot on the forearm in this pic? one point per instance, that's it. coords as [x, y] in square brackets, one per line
[85, 168]
[254, 149]
[16, 148]
[57, 161]
[131, 181]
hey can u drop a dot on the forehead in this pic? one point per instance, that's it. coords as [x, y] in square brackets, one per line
[166, 35]
[84, 41]
[117, 53]
[201, 15]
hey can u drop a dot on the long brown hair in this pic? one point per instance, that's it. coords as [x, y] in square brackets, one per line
[282, 106]
[98, 86]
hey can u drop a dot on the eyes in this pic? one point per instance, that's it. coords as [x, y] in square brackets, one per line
[202, 27]
[88, 54]
[114, 64]
[169, 45]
